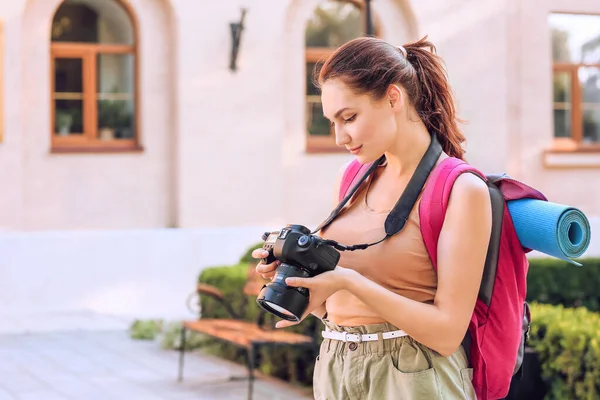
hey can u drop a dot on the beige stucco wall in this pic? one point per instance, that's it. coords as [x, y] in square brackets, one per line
[227, 149]
[83, 191]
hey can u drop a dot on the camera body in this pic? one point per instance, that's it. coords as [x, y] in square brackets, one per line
[301, 255]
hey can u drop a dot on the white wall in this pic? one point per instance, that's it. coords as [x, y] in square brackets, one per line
[145, 273]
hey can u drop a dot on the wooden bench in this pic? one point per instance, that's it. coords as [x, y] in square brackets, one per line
[243, 334]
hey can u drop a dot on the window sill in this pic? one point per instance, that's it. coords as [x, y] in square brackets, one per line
[578, 158]
[322, 145]
[70, 149]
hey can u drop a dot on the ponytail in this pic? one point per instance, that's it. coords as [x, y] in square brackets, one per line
[435, 102]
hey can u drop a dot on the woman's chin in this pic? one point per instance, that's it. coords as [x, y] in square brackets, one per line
[365, 158]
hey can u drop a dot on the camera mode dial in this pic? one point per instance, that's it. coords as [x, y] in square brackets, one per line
[303, 240]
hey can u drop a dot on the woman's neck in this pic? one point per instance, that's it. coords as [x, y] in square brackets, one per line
[404, 155]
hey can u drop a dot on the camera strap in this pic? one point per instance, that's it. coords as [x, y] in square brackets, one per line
[397, 218]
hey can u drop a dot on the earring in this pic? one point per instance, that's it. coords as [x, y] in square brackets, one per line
[391, 104]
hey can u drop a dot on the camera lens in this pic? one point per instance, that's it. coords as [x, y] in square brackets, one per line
[284, 301]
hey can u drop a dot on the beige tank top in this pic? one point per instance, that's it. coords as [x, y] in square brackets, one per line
[400, 263]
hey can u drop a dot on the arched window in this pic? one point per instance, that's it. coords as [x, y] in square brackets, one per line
[333, 23]
[93, 61]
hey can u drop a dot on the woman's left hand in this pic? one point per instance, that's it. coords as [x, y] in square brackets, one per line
[320, 288]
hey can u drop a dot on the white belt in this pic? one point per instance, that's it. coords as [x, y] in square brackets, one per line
[355, 337]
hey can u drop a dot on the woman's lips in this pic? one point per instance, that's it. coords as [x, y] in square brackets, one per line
[355, 150]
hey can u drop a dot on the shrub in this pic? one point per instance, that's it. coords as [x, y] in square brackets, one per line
[567, 341]
[554, 281]
[145, 329]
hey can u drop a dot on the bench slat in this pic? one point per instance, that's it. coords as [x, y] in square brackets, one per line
[244, 333]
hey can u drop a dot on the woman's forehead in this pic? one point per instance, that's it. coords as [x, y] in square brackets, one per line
[335, 95]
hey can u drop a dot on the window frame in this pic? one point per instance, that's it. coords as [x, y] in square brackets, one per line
[574, 143]
[317, 55]
[89, 53]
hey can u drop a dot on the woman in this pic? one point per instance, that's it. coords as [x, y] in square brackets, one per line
[389, 100]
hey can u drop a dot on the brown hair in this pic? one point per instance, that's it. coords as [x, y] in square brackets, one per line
[370, 65]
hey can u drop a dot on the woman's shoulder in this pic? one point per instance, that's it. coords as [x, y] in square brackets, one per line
[470, 194]
[469, 184]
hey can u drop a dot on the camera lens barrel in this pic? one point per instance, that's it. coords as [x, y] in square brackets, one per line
[284, 301]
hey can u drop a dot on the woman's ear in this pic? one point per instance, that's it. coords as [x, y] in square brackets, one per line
[395, 97]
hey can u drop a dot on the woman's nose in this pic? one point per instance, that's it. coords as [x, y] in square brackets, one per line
[341, 137]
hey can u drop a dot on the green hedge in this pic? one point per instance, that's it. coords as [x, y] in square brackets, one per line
[567, 341]
[553, 281]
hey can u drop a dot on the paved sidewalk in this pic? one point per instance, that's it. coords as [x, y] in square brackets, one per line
[108, 365]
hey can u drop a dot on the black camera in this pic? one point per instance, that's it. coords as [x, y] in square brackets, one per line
[301, 255]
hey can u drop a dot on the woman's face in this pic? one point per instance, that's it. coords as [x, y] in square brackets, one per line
[364, 126]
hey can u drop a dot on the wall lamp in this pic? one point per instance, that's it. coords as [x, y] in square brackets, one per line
[236, 36]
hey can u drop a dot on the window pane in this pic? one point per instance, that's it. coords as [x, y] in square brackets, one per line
[92, 21]
[311, 89]
[334, 23]
[68, 96]
[68, 75]
[575, 38]
[68, 117]
[562, 104]
[562, 123]
[115, 96]
[317, 124]
[115, 74]
[591, 125]
[115, 119]
[589, 79]
[562, 87]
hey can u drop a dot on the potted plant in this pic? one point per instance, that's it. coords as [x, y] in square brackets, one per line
[64, 121]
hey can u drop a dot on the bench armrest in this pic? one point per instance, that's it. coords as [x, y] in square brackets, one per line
[215, 293]
[209, 290]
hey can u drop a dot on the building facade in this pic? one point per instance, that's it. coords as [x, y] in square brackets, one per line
[123, 119]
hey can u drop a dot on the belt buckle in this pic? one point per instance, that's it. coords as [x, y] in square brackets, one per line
[345, 338]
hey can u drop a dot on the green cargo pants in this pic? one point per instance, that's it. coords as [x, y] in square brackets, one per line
[398, 368]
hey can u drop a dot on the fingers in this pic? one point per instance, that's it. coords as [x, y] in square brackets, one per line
[266, 268]
[285, 323]
[259, 253]
[267, 271]
[300, 282]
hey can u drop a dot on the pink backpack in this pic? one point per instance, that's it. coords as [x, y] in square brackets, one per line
[499, 326]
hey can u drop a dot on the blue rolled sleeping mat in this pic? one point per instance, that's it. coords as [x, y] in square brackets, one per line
[554, 229]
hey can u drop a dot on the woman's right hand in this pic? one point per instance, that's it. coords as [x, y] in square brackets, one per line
[267, 271]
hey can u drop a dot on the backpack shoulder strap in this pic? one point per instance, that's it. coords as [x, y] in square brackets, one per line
[434, 201]
[354, 171]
